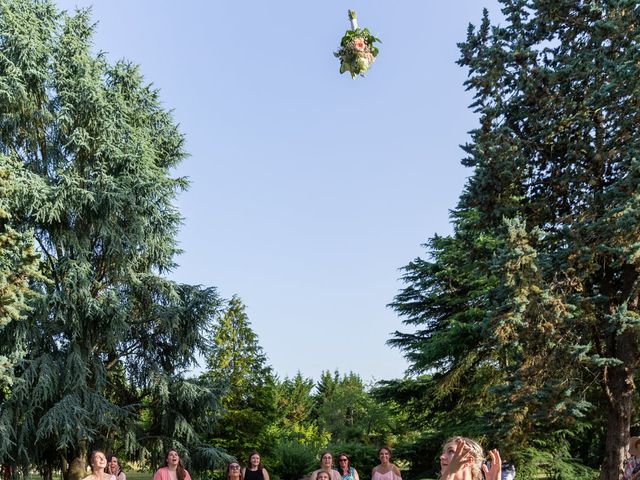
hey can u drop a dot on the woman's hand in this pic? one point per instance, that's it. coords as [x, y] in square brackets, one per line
[458, 461]
[495, 472]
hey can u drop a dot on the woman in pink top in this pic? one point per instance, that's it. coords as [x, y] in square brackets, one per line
[386, 470]
[173, 468]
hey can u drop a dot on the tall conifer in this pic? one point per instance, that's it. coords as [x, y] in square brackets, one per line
[554, 196]
[109, 336]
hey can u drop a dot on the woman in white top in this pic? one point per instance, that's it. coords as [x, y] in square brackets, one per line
[98, 463]
[386, 470]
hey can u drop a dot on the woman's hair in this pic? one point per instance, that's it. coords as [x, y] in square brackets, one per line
[239, 470]
[476, 452]
[340, 469]
[107, 468]
[180, 468]
[260, 466]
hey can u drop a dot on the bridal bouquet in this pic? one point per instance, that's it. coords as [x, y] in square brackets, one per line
[356, 52]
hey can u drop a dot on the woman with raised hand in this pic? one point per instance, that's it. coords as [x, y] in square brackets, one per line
[386, 470]
[345, 469]
[326, 465]
[254, 469]
[114, 468]
[98, 463]
[463, 459]
[173, 468]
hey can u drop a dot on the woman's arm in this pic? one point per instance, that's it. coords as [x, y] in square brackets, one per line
[355, 475]
[265, 474]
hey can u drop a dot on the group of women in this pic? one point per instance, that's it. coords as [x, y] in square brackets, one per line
[462, 459]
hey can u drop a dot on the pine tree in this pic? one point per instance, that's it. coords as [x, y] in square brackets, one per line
[237, 361]
[553, 197]
[108, 337]
[18, 266]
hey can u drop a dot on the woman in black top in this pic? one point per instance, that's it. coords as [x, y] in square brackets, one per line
[255, 470]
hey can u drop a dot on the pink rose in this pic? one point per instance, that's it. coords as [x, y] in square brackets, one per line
[359, 44]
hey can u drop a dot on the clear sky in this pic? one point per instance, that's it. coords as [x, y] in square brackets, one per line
[309, 189]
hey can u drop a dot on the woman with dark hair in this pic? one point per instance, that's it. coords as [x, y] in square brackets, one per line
[326, 465]
[463, 459]
[114, 468]
[254, 469]
[234, 472]
[345, 469]
[98, 463]
[386, 470]
[173, 468]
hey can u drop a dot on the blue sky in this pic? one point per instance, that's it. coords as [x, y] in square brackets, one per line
[309, 189]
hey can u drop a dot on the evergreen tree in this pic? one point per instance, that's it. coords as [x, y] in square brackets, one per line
[18, 266]
[108, 336]
[346, 410]
[554, 202]
[237, 361]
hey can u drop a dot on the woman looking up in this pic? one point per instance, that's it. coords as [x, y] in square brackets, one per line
[114, 468]
[326, 465]
[173, 468]
[345, 469]
[254, 469]
[98, 463]
[234, 472]
[386, 470]
[463, 459]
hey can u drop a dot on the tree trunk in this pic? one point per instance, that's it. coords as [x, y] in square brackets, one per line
[78, 466]
[619, 389]
[7, 472]
[47, 473]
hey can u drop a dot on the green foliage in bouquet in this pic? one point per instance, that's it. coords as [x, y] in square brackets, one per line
[357, 51]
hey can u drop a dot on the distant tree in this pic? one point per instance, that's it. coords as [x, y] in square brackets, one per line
[108, 337]
[297, 420]
[347, 410]
[249, 403]
[539, 282]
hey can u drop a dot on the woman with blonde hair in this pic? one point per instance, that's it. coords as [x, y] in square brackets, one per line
[463, 459]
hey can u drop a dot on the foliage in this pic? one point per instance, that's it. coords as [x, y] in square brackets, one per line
[349, 413]
[236, 360]
[108, 337]
[534, 463]
[528, 313]
[18, 265]
[292, 460]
